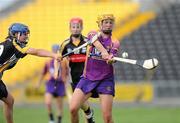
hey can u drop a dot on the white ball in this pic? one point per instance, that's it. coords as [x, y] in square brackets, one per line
[124, 54]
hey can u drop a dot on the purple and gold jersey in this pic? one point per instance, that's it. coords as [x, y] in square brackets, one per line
[49, 70]
[96, 68]
[60, 89]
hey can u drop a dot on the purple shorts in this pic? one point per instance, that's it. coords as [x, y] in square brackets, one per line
[58, 91]
[105, 86]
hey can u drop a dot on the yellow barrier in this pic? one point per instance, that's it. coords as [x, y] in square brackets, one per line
[134, 92]
[133, 24]
[48, 22]
[127, 92]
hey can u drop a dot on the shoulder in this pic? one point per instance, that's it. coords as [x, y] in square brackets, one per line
[68, 39]
[84, 38]
[65, 42]
[7, 43]
[115, 39]
[91, 34]
[63, 45]
[115, 42]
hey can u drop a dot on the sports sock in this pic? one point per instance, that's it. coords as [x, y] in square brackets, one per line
[51, 117]
[88, 111]
[59, 119]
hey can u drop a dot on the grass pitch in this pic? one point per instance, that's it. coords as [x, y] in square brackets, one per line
[127, 114]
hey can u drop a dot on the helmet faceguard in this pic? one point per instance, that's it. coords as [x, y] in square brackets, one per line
[105, 17]
[19, 29]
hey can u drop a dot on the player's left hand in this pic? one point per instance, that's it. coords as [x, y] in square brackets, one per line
[110, 59]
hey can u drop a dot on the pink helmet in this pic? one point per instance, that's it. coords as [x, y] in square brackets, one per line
[76, 20]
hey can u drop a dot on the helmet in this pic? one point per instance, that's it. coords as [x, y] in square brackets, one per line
[18, 27]
[55, 47]
[76, 20]
[105, 17]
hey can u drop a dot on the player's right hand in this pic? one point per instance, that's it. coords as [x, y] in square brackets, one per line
[109, 59]
[58, 57]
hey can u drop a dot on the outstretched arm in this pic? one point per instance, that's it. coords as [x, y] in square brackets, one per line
[64, 70]
[43, 53]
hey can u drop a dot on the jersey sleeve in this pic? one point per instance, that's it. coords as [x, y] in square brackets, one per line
[63, 49]
[115, 47]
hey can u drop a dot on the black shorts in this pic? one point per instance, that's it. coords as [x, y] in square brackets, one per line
[73, 86]
[3, 90]
[55, 95]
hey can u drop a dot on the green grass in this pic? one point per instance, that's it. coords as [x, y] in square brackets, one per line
[38, 114]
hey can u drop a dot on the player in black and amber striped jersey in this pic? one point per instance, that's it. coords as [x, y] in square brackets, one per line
[11, 50]
[77, 59]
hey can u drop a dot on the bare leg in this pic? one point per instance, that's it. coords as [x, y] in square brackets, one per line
[8, 108]
[48, 102]
[59, 102]
[106, 106]
[78, 98]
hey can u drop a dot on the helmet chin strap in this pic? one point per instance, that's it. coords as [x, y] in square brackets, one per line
[18, 37]
[21, 44]
[76, 35]
[107, 31]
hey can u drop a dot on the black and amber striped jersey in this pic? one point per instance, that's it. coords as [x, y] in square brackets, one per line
[76, 59]
[10, 53]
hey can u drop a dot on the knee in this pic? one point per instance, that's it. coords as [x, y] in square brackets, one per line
[107, 117]
[73, 110]
[10, 102]
[48, 104]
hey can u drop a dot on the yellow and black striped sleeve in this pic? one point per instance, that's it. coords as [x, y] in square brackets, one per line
[63, 49]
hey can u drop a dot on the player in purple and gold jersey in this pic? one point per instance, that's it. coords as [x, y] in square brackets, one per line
[11, 50]
[98, 76]
[52, 90]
